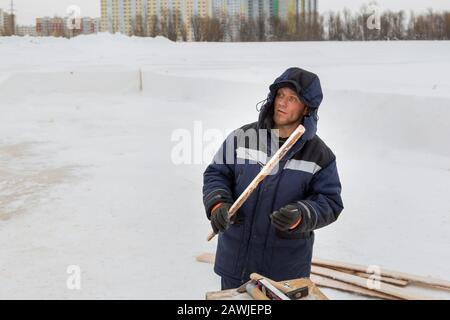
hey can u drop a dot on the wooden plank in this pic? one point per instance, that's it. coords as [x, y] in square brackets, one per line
[223, 295]
[210, 257]
[401, 283]
[397, 282]
[384, 273]
[385, 288]
[335, 284]
[206, 258]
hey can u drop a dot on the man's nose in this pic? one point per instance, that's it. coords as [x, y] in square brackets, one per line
[282, 102]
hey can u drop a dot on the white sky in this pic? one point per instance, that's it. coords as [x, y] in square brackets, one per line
[28, 10]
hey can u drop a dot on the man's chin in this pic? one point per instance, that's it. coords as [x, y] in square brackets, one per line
[280, 123]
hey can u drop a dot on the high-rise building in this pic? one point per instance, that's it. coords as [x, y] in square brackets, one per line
[65, 27]
[233, 10]
[89, 25]
[135, 16]
[230, 8]
[50, 27]
[263, 8]
[43, 26]
[97, 24]
[2, 22]
[57, 27]
[138, 16]
[124, 16]
[297, 11]
[182, 10]
[7, 23]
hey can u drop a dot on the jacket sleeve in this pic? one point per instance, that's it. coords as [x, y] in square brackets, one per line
[218, 178]
[323, 204]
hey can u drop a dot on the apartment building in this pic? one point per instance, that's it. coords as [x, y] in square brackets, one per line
[26, 30]
[124, 16]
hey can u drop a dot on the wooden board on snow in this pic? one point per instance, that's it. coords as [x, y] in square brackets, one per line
[384, 273]
[335, 284]
[385, 288]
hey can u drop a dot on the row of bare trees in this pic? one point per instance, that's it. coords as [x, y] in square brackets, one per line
[170, 24]
[276, 29]
[392, 26]
[336, 26]
[228, 28]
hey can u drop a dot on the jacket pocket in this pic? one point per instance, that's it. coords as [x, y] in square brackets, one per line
[228, 250]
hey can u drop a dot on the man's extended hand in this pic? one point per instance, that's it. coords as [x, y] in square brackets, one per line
[288, 217]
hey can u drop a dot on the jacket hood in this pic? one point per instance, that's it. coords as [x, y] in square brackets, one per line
[308, 88]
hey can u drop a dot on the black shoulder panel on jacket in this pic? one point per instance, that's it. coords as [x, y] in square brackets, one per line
[253, 125]
[315, 150]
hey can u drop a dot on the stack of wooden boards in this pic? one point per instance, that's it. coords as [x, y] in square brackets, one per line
[359, 279]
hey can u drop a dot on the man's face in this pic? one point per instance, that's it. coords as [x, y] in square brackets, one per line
[289, 110]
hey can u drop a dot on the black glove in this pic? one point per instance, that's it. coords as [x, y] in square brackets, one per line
[219, 217]
[286, 217]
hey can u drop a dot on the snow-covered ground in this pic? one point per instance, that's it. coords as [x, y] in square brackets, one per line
[87, 176]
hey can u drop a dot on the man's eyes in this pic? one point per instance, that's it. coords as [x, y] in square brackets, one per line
[290, 98]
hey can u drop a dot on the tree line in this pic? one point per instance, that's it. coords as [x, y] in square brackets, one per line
[335, 26]
[392, 26]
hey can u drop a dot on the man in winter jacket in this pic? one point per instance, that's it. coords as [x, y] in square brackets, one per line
[273, 231]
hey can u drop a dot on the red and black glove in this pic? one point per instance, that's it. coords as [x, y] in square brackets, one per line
[219, 217]
[287, 218]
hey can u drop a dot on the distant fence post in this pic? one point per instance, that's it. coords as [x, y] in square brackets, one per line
[141, 86]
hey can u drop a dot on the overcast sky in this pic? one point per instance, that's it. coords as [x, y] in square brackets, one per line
[28, 10]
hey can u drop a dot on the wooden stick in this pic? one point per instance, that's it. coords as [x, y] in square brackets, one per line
[140, 81]
[206, 257]
[222, 295]
[384, 273]
[335, 284]
[396, 282]
[265, 171]
[389, 289]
